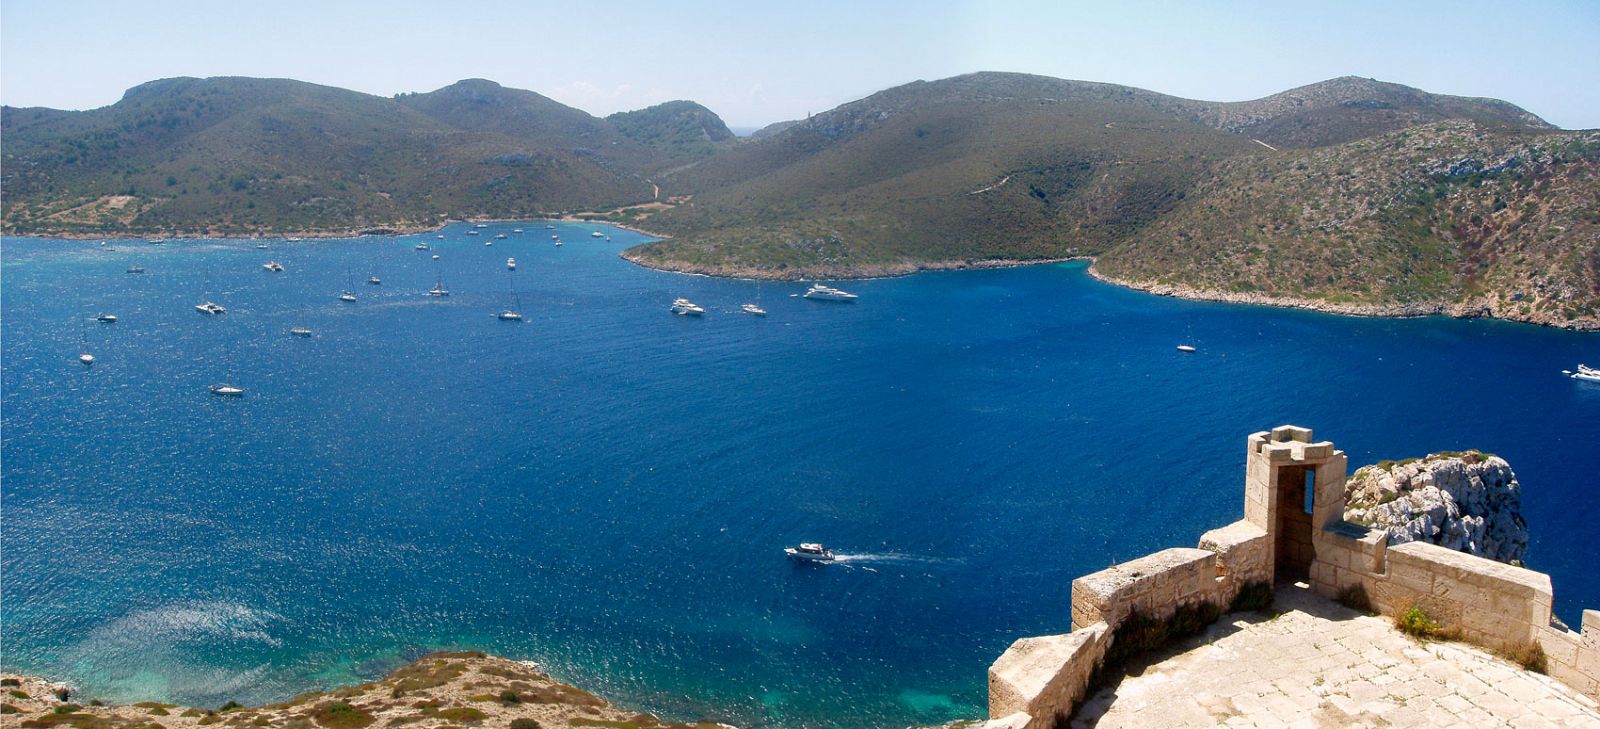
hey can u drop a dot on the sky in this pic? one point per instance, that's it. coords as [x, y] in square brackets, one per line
[756, 63]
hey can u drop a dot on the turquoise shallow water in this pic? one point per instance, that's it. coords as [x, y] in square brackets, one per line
[605, 488]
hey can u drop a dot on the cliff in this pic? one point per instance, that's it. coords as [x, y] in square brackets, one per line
[1470, 502]
[437, 690]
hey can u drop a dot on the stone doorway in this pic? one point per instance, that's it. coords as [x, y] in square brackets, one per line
[1294, 551]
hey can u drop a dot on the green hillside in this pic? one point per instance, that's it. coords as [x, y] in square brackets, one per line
[239, 155]
[679, 130]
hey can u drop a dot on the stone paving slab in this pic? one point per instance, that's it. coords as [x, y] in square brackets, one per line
[1321, 665]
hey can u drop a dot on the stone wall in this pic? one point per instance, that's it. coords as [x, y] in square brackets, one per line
[1047, 676]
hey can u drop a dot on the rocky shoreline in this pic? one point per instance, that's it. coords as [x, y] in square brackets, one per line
[437, 690]
[1458, 310]
[825, 273]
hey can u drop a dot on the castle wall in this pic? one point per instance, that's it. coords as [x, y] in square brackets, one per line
[1491, 604]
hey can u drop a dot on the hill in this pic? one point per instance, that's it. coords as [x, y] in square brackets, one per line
[1381, 199]
[242, 155]
[679, 130]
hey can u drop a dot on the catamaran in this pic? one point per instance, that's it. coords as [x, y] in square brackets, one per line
[273, 266]
[209, 308]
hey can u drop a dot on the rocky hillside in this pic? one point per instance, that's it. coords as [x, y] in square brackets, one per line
[438, 690]
[1451, 218]
[1469, 502]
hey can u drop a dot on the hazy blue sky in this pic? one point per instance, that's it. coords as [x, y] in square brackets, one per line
[755, 63]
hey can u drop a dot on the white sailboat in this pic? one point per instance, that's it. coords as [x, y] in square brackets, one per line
[515, 312]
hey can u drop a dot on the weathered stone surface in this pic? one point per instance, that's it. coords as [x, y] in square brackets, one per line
[1468, 502]
[1046, 675]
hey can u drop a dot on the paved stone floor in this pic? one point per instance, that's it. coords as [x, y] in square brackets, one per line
[1320, 665]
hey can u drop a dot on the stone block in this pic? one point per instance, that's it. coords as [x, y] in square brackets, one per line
[1046, 675]
[1316, 451]
[1152, 583]
[1291, 433]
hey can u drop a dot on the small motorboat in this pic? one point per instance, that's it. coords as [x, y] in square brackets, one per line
[809, 552]
[500, 236]
[1586, 373]
[549, 227]
[481, 225]
[558, 242]
[273, 266]
[136, 269]
[753, 309]
[106, 318]
[291, 239]
[226, 391]
[518, 231]
[472, 232]
[209, 308]
[488, 242]
[685, 307]
[347, 296]
[511, 264]
[509, 315]
[440, 236]
[597, 234]
[424, 245]
[374, 280]
[157, 241]
[435, 256]
[261, 246]
[300, 332]
[1187, 348]
[86, 358]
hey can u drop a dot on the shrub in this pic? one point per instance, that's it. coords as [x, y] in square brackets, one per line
[1529, 654]
[1413, 621]
[1354, 596]
[461, 713]
[510, 697]
[9, 709]
[230, 706]
[1253, 596]
[525, 724]
[10, 682]
[340, 715]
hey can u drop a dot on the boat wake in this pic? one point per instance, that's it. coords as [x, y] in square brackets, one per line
[889, 558]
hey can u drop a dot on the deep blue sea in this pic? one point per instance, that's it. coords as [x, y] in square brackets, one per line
[606, 488]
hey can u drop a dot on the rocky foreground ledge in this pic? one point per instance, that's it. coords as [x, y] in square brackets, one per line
[462, 689]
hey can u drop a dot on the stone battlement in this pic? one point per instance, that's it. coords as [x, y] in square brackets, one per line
[1293, 531]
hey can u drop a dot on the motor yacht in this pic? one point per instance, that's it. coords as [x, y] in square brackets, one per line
[209, 308]
[1186, 348]
[300, 332]
[136, 269]
[423, 246]
[226, 391]
[106, 318]
[511, 264]
[828, 293]
[1586, 373]
[597, 234]
[753, 309]
[685, 307]
[273, 266]
[86, 358]
[810, 552]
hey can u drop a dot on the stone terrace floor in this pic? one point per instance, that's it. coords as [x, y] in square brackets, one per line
[1321, 665]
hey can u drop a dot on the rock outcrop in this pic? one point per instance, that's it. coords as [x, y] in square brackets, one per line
[1470, 502]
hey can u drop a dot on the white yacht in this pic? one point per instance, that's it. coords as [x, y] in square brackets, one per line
[300, 332]
[509, 315]
[500, 236]
[549, 227]
[558, 242]
[157, 241]
[424, 245]
[261, 246]
[518, 231]
[597, 234]
[292, 239]
[440, 236]
[1586, 373]
[554, 236]
[828, 293]
[685, 307]
[273, 266]
[209, 308]
[472, 232]
[1186, 348]
[86, 358]
[374, 280]
[226, 391]
[753, 309]
[511, 264]
[136, 269]
[439, 289]
[481, 225]
[810, 552]
[488, 242]
[106, 318]
[347, 296]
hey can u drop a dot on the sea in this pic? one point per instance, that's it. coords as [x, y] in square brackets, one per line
[606, 489]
